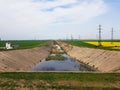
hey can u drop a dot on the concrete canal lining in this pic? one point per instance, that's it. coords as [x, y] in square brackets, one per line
[22, 60]
[103, 60]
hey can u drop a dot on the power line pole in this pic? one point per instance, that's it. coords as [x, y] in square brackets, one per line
[79, 37]
[99, 41]
[66, 37]
[71, 38]
[112, 36]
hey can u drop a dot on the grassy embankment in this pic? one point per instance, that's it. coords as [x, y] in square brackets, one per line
[60, 81]
[24, 44]
[106, 44]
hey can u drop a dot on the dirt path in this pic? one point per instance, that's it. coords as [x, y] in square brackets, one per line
[22, 60]
[103, 60]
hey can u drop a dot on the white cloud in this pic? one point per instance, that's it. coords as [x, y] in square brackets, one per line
[27, 15]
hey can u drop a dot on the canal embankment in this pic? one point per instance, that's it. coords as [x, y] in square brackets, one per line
[22, 60]
[103, 60]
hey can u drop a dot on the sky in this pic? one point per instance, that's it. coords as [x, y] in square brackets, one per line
[58, 19]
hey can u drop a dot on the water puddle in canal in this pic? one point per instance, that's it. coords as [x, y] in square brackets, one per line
[55, 64]
[68, 64]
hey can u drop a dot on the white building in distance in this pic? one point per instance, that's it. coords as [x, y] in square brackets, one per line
[9, 45]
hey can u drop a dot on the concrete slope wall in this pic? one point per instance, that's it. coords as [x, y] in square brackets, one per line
[103, 60]
[22, 60]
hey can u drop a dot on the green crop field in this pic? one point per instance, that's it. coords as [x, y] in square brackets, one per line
[80, 43]
[106, 44]
[25, 43]
[59, 81]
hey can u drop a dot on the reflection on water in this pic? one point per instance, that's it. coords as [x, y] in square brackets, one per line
[68, 64]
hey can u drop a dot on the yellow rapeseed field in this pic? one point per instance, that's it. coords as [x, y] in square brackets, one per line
[113, 45]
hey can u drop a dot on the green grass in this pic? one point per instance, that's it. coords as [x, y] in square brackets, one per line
[23, 44]
[56, 57]
[80, 43]
[51, 80]
[102, 77]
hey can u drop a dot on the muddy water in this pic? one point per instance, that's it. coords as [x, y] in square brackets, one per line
[68, 64]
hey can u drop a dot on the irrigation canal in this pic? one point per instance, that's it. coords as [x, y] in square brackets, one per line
[68, 64]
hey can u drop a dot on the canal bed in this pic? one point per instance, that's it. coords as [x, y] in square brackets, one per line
[69, 64]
